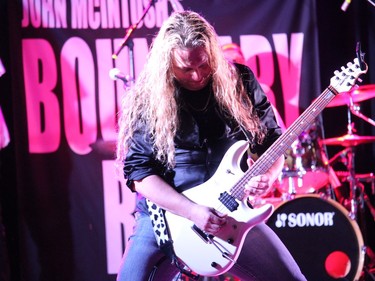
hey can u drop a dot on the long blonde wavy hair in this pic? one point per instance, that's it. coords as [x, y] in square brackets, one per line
[152, 98]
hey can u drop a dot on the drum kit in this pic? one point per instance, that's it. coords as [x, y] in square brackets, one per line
[319, 221]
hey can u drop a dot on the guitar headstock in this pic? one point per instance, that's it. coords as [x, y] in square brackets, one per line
[345, 79]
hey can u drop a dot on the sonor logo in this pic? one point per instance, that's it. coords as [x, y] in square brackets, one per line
[304, 219]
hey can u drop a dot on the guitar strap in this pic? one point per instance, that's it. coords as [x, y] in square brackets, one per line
[162, 235]
[159, 223]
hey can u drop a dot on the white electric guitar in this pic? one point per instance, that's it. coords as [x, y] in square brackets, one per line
[210, 255]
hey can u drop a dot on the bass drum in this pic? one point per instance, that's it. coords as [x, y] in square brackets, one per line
[325, 242]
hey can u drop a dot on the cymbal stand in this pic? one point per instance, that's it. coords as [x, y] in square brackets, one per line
[339, 155]
[352, 183]
[350, 154]
[355, 109]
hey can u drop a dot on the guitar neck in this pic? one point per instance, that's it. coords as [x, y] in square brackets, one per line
[284, 142]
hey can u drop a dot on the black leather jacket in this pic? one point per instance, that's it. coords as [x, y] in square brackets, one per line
[201, 141]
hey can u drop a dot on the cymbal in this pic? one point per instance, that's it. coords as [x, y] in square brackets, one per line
[349, 140]
[359, 94]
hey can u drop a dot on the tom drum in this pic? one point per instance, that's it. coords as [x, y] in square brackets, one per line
[305, 170]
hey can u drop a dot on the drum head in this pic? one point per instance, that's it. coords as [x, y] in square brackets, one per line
[324, 241]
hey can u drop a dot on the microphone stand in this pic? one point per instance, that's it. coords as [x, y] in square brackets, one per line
[128, 41]
[130, 45]
[131, 28]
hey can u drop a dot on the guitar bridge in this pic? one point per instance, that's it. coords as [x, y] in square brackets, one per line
[207, 238]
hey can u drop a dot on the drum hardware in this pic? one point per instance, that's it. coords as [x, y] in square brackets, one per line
[355, 109]
[351, 140]
[369, 178]
[349, 157]
[339, 156]
[360, 179]
[360, 197]
[357, 199]
[369, 205]
[334, 181]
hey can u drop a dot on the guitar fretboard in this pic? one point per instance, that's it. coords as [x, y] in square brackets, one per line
[284, 142]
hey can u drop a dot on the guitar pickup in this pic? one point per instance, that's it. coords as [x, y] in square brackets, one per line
[229, 201]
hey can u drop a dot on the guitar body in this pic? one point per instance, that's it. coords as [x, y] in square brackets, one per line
[215, 255]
